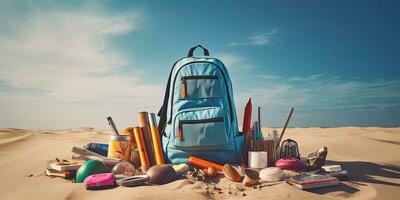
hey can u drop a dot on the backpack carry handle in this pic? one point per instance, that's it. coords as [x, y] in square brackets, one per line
[206, 53]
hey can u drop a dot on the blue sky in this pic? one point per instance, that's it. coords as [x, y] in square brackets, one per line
[73, 63]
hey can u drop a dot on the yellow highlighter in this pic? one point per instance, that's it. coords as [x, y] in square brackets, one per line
[155, 136]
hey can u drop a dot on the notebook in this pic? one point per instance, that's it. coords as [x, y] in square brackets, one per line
[311, 181]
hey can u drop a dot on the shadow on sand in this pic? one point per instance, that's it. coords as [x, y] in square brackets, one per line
[363, 173]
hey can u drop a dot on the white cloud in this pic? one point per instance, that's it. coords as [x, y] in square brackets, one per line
[229, 59]
[320, 91]
[316, 94]
[235, 62]
[260, 39]
[64, 56]
[267, 76]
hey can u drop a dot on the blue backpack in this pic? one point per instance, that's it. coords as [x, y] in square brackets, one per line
[198, 116]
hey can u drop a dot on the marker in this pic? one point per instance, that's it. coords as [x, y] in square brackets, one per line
[112, 125]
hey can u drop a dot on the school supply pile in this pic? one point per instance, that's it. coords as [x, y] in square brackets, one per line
[199, 135]
[260, 151]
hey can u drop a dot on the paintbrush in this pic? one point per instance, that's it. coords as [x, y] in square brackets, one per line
[284, 128]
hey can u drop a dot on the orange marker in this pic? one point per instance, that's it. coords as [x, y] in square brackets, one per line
[144, 159]
[204, 164]
[155, 137]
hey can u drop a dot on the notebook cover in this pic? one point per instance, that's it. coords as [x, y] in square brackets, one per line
[67, 167]
[312, 181]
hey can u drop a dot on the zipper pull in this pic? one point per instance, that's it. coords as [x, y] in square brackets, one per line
[180, 134]
[183, 89]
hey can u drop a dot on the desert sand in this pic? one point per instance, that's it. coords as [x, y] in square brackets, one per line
[371, 155]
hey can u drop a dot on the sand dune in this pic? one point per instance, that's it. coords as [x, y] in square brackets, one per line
[370, 154]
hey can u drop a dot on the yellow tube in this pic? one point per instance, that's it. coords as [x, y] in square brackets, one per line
[155, 136]
[143, 120]
[144, 159]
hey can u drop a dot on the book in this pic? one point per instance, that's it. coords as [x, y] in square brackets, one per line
[65, 167]
[55, 173]
[311, 181]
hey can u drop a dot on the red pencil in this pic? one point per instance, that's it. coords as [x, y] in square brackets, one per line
[247, 117]
[246, 129]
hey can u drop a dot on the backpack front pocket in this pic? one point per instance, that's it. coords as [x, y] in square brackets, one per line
[195, 87]
[202, 129]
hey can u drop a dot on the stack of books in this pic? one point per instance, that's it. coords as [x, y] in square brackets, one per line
[311, 181]
[63, 168]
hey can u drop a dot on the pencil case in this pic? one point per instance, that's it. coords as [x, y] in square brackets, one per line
[133, 180]
[99, 181]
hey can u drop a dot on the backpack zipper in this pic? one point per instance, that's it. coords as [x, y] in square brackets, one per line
[199, 121]
[185, 78]
[200, 77]
[191, 110]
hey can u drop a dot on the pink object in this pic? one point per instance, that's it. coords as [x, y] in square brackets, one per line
[289, 164]
[99, 181]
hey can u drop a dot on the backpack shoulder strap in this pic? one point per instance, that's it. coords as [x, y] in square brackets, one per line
[162, 113]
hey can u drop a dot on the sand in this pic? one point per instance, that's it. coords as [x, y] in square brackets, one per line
[371, 155]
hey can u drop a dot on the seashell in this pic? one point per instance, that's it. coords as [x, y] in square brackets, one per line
[251, 177]
[181, 169]
[161, 174]
[231, 173]
[210, 172]
[202, 172]
[271, 174]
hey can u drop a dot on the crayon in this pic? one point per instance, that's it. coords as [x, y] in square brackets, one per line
[144, 160]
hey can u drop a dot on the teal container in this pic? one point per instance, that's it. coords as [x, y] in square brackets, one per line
[90, 167]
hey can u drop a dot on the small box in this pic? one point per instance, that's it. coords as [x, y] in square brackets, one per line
[332, 168]
[99, 181]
